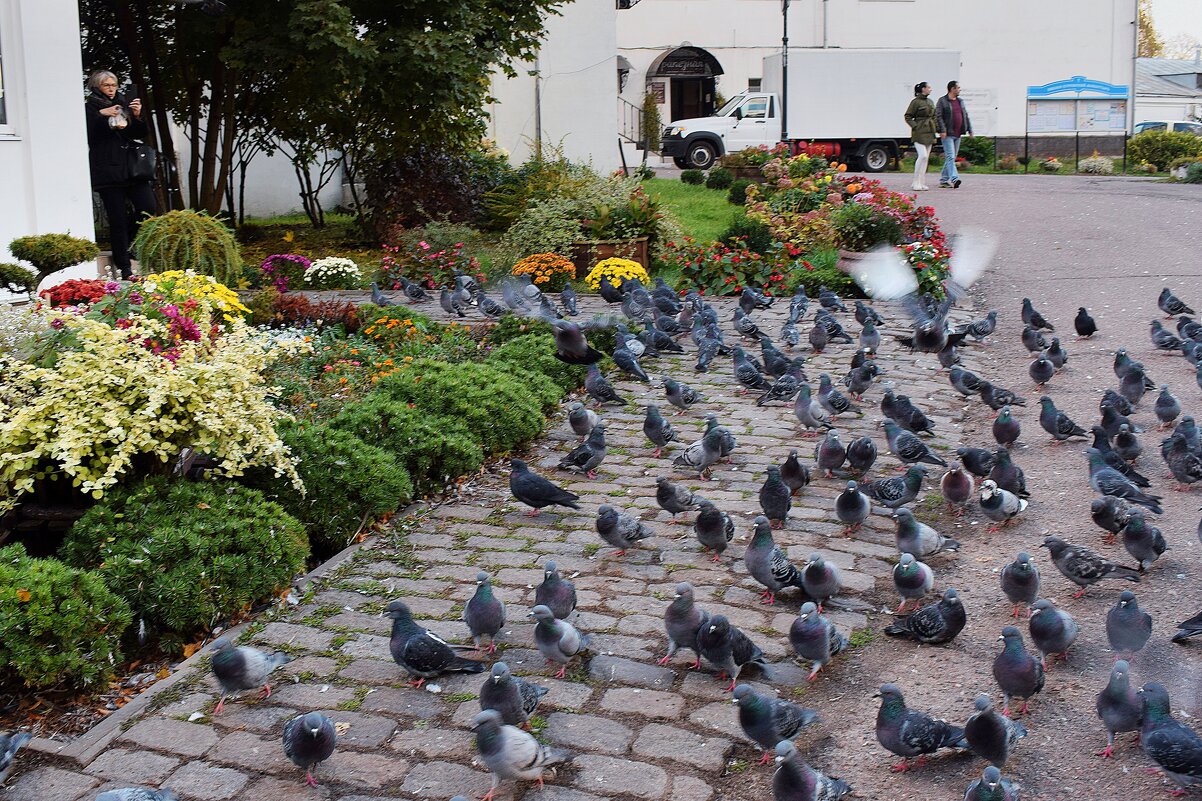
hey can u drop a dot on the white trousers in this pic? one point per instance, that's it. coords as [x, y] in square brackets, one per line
[920, 165]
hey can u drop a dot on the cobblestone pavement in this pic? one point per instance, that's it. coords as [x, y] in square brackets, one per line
[642, 731]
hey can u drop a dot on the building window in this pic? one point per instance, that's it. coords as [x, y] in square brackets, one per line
[3, 96]
[753, 84]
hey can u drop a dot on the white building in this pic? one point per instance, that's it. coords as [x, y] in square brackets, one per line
[1168, 89]
[43, 142]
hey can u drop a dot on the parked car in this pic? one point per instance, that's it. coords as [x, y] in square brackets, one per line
[1169, 125]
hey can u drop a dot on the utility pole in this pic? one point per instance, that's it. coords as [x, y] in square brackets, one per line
[784, 72]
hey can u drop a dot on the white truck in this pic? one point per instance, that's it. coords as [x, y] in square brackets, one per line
[842, 103]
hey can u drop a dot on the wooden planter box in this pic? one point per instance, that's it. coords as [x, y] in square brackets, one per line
[585, 255]
[747, 173]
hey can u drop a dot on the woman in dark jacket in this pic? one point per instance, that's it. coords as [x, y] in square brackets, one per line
[114, 123]
[920, 116]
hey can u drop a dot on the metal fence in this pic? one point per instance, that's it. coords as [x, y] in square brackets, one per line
[1032, 148]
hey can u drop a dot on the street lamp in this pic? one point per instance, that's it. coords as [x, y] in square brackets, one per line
[784, 71]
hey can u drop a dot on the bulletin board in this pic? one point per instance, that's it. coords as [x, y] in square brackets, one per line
[1051, 116]
[1101, 115]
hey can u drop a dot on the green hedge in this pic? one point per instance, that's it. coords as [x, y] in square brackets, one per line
[186, 555]
[1162, 147]
[536, 353]
[347, 482]
[59, 626]
[719, 178]
[693, 177]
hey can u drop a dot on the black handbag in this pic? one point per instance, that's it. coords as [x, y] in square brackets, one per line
[143, 159]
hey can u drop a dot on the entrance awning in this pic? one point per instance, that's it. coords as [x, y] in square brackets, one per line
[691, 62]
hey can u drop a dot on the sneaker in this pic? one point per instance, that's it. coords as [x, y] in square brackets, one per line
[956, 183]
[944, 185]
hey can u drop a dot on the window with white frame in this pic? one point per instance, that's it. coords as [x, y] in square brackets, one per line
[3, 98]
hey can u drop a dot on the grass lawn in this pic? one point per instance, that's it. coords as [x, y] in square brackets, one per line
[703, 213]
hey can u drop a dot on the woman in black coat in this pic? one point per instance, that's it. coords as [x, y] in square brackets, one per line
[114, 123]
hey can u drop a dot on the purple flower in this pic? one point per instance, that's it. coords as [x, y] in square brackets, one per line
[112, 288]
[57, 323]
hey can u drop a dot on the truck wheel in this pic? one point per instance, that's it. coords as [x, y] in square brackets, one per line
[876, 158]
[702, 155]
[680, 162]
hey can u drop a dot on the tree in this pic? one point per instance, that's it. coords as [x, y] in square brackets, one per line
[1183, 46]
[1150, 44]
[374, 76]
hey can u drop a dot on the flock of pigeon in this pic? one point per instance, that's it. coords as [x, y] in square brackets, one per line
[1122, 510]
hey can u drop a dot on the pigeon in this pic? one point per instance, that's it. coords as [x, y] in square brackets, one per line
[794, 473]
[511, 753]
[588, 455]
[1056, 422]
[1108, 481]
[910, 733]
[900, 410]
[536, 491]
[512, 697]
[379, 298]
[1172, 745]
[865, 313]
[768, 721]
[1128, 627]
[627, 363]
[818, 338]
[1119, 706]
[1053, 631]
[1006, 429]
[309, 740]
[830, 453]
[1041, 370]
[815, 639]
[1056, 354]
[918, 539]
[852, 507]
[1188, 628]
[682, 620]
[979, 329]
[137, 794]
[992, 736]
[1143, 541]
[1126, 444]
[484, 613]
[1033, 340]
[450, 304]
[675, 498]
[746, 373]
[978, 461]
[997, 397]
[1189, 429]
[599, 389]
[820, 579]
[679, 394]
[726, 647]
[240, 668]
[809, 412]
[964, 382]
[859, 378]
[898, 490]
[833, 400]
[830, 301]
[1019, 674]
[991, 787]
[1083, 566]
[421, 652]
[1020, 581]
[1167, 407]
[556, 593]
[869, 337]
[557, 640]
[567, 298]
[949, 356]
[1172, 305]
[1162, 339]
[1184, 464]
[658, 430]
[413, 291]
[745, 326]
[1033, 318]
[790, 335]
[1132, 387]
[489, 307]
[1111, 459]
[999, 505]
[620, 529]
[794, 780]
[1110, 514]
[609, 293]
[1084, 324]
[861, 454]
[714, 529]
[933, 624]
[775, 498]
[10, 744]
[909, 448]
[702, 454]
[912, 580]
[957, 487]
[582, 420]
[767, 563]
[1007, 475]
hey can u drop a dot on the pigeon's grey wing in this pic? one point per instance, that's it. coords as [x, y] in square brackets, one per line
[517, 757]
[1175, 747]
[788, 718]
[570, 641]
[1086, 564]
[884, 275]
[922, 732]
[782, 569]
[257, 665]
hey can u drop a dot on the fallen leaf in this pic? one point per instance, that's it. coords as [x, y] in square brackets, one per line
[342, 728]
[190, 649]
[24, 595]
[202, 506]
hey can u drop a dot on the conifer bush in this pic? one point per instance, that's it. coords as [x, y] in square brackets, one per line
[189, 240]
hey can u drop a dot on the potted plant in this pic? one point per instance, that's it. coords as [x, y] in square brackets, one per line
[622, 231]
[51, 253]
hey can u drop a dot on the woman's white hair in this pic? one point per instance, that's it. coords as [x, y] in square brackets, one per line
[95, 79]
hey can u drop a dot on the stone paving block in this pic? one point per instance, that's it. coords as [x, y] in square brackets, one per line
[588, 732]
[549, 792]
[312, 695]
[612, 776]
[641, 625]
[260, 718]
[367, 645]
[134, 767]
[657, 741]
[406, 701]
[719, 716]
[422, 608]
[690, 788]
[49, 784]
[295, 635]
[422, 586]
[441, 780]
[319, 666]
[175, 736]
[366, 731]
[373, 671]
[433, 742]
[251, 753]
[272, 789]
[206, 782]
[564, 694]
[637, 701]
[616, 670]
[358, 621]
[366, 770]
[192, 702]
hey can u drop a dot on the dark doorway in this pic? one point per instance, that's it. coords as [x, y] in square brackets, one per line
[692, 97]
[693, 73]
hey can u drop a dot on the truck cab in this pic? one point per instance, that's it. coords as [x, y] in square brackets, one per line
[748, 119]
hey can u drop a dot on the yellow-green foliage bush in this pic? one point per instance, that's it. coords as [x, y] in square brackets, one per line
[89, 409]
[59, 626]
[186, 555]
